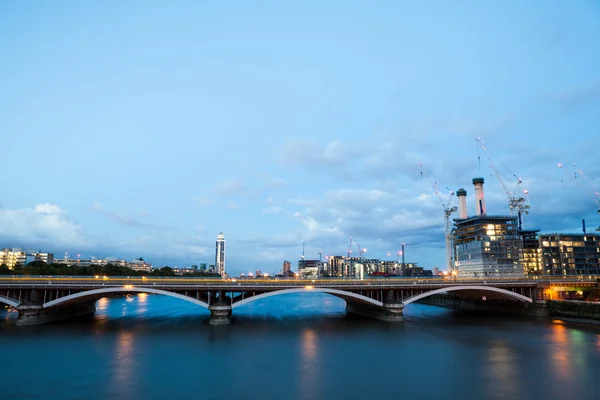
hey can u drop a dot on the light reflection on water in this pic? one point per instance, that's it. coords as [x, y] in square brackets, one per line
[299, 347]
[502, 368]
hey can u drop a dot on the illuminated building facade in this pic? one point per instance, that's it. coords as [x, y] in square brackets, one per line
[13, 258]
[532, 260]
[569, 253]
[488, 246]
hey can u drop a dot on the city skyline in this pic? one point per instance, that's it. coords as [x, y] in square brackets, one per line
[154, 129]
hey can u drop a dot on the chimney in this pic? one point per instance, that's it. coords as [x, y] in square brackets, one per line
[462, 203]
[479, 198]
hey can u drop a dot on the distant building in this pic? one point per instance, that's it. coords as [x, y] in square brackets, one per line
[13, 258]
[220, 254]
[202, 266]
[308, 267]
[48, 258]
[183, 271]
[413, 269]
[139, 265]
[337, 266]
[287, 271]
[569, 253]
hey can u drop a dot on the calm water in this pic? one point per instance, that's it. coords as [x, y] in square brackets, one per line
[295, 347]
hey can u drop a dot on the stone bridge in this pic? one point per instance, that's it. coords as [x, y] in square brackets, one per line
[43, 299]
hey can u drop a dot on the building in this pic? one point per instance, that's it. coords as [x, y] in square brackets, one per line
[13, 258]
[183, 271]
[48, 258]
[337, 266]
[413, 269]
[140, 265]
[486, 246]
[532, 261]
[308, 268]
[569, 253]
[286, 271]
[220, 254]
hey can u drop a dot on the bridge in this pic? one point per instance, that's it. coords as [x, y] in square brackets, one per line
[40, 299]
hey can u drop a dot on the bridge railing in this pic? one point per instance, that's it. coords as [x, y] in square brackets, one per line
[76, 281]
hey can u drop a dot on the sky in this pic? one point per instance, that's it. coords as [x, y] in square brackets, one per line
[145, 128]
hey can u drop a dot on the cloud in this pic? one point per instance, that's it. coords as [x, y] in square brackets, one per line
[232, 205]
[44, 222]
[579, 96]
[310, 153]
[236, 187]
[127, 220]
[47, 209]
[271, 208]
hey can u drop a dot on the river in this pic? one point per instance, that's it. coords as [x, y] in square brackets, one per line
[295, 346]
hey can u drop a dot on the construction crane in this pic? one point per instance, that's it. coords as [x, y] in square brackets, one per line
[361, 252]
[448, 210]
[518, 205]
[594, 186]
[350, 247]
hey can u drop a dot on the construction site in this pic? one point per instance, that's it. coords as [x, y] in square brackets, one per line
[480, 245]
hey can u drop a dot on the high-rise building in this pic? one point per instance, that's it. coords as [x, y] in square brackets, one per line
[487, 246]
[220, 254]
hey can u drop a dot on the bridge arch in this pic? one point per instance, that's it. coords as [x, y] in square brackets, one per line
[497, 292]
[97, 294]
[9, 301]
[349, 297]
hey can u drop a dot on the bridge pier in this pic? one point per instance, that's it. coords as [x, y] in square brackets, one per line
[34, 314]
[220, 314]
[390, 312]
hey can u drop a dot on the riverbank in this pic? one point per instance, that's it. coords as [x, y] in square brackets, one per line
[574, 311]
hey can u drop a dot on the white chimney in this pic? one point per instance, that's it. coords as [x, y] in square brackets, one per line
[462, 203]
[479, 198]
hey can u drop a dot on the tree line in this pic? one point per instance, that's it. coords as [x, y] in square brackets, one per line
[41, 268]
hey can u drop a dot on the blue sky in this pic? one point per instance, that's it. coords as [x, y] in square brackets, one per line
[145, 128]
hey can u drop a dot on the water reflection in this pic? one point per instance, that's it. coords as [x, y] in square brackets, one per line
[561, 360]
[124, 365]
[502, 369]
[309, 363]
[142, 300]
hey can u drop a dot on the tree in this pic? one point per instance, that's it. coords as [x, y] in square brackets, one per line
[4, 270]
[167, 271]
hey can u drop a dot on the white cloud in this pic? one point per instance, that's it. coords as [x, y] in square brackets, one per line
[47, 208]
[43, 222]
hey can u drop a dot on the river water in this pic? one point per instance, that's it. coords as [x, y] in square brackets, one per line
[295, 346]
